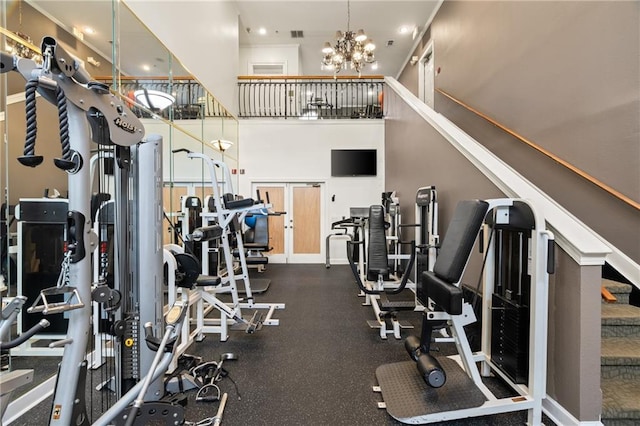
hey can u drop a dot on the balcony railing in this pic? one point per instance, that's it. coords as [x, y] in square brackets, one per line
[315, 97]
[192, 100]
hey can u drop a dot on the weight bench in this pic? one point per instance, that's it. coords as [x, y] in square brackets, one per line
[378, 285]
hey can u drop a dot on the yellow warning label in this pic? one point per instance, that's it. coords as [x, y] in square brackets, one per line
[128, 342]
[56, 412]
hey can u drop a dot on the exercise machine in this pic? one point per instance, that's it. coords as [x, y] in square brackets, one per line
[427, 238]
[41, 223]
[518, 257]
[350, 228]
[13, 379]
[228, 212]
[88, 112]
[377, 284]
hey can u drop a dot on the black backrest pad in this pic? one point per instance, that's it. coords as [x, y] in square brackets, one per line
[261, 229]
[459, 239]
[377, 264]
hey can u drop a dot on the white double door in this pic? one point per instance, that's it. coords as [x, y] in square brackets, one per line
[296, 234]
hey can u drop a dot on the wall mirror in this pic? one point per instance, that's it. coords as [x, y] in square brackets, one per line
[118, 49]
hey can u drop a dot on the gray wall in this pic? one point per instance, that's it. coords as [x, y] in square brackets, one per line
[565, 75]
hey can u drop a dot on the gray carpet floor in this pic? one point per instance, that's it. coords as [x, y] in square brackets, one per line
[316, 368]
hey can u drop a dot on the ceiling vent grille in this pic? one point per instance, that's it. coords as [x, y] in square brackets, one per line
[297, 34]
[389, 43]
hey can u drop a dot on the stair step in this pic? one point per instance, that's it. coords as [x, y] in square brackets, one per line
[620, 358]
[620, 290]
[620, 320]
[620, 402]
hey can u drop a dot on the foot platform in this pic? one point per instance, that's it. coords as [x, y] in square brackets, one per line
[255, 323]
[410, 400]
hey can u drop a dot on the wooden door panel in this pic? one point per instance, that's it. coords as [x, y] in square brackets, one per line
[306, 219]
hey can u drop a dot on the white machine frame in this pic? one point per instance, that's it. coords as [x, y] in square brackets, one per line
[206, 297]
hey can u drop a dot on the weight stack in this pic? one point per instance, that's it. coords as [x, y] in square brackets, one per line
[510, 338]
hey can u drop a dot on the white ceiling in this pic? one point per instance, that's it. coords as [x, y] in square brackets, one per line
[318, 19]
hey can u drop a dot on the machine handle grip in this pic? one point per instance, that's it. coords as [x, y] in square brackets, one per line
[25, 336]
[175, 151]
[30, 158]
[551, 258]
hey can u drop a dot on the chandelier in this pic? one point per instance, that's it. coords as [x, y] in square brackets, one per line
[353, 48]
[19, 44]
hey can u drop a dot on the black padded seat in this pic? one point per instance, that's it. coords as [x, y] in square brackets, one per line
[207, 280]
[232, 204]
[257, 260]
[445, 295]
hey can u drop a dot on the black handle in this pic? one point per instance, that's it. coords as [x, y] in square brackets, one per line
[551, 258]
[25, 336]
[30, 158]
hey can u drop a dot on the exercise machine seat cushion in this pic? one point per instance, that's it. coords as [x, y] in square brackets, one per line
[207, 280]
[232, 204]
[378, 262]
[445, 295]
[441, 284]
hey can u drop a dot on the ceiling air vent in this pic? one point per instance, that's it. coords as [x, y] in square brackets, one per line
[389, 43]
[297, 34]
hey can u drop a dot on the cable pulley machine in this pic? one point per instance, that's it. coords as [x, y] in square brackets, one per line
[87, 111]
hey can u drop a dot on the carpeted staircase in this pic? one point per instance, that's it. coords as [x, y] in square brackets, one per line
[620, 358]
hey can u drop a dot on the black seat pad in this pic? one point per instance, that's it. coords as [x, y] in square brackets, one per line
[207, 280]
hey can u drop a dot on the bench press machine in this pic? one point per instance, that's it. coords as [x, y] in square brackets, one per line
[518, 259]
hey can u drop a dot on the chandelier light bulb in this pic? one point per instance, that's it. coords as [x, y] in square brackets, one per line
[369, 45]
[361, 36]
[327, 48]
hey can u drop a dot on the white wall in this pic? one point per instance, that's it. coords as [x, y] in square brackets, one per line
[300, 151]
[270, 54]
[215, 64]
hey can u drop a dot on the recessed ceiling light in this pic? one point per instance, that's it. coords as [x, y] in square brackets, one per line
[146, 67]
[406, 29]
[262, 31]
[89, 30]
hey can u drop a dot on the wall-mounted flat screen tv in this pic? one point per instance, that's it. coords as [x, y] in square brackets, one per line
[353, 162]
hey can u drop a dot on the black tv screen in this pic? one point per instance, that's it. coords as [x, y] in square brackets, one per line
[353, 162]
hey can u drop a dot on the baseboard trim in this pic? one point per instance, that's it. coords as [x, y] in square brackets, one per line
[561, 416]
